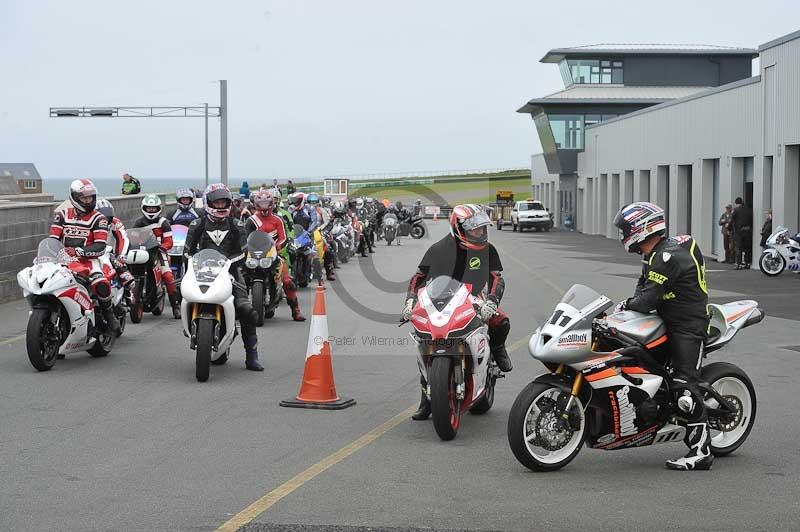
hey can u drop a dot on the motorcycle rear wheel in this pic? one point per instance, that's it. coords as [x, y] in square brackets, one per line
[417, 232]
[522, 440]
[205, 341]
[485, 403]
[445, 408]
[41, 352]
[733, 384]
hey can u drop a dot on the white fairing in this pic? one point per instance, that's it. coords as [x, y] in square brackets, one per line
[219, 292]
[730, 318]
[478, 343]
[50, 278]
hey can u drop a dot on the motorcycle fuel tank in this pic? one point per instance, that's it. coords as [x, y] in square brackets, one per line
[643, 328]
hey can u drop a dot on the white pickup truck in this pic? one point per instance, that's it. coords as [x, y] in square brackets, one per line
[530, 213]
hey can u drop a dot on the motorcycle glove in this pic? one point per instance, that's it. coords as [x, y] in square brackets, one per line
[408, 309]
[488, 310]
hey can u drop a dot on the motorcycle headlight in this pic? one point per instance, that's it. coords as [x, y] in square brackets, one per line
[251, 262]
[266, 262]
[782, 239]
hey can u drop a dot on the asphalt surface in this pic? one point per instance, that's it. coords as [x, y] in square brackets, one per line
[133, 442]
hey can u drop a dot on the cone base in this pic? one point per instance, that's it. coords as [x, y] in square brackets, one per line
[339, 404]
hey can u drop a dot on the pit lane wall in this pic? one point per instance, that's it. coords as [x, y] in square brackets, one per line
[25, 221]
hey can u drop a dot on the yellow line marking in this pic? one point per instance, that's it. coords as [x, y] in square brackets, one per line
[12, 340]
[269, 499]
[560, 291]
[272, 497]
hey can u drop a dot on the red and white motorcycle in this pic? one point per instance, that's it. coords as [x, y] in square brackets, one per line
[454, 355]
[63, 317]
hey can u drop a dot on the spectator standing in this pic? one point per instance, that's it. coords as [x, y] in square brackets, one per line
[290, 189]
[244, 190]
[766, 229]
[130, 185]
[742, 220]
[726, 227]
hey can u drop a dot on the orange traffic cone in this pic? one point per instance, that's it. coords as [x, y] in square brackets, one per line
[435, 216]
[318, 389]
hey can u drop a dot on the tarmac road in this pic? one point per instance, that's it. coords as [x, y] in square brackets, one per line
[132, 442]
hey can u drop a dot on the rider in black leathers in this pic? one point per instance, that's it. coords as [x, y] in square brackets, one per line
[220, 231]
[673, 283]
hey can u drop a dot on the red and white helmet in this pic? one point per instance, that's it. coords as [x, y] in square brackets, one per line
[263, 201]
[83, 195]
[217, 202]
[637, 222]
[469, 224]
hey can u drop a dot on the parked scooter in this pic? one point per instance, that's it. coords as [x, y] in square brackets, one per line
[142, 262]
[608, 383]
[782, 252]
[63, 316]
[454, 355]
[261, 272]
[207, 311]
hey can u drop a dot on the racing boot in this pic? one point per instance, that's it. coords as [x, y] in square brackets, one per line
[424, 410]
[497, 344]
[295, 306]
[251, 355]
[699, 457]
[111, 321]
[329, 271]
[175, 301]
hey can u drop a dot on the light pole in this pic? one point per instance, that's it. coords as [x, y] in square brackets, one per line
[204, 112]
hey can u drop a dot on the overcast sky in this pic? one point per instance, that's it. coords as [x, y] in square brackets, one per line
[316, 87]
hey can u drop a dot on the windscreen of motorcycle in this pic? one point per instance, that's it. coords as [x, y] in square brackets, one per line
[389, 220]
[48, 251]
[207, 265]
[142, 238]
[259, 243]
[441, 290]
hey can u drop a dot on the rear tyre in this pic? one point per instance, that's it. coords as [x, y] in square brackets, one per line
[417, 232]
[531, 433]
[205, 341]
[258, 301]
[771, 264]
[735, 386]
[445, 408]
[159, 308]
[485, 403]
[39, 340]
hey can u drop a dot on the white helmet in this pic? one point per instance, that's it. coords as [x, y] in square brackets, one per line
[83, 195]
[151, 207]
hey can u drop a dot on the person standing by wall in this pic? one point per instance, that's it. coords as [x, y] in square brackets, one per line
[726, 228]
[290, 189]
[766, 229]
[742, 220]
[130, 185]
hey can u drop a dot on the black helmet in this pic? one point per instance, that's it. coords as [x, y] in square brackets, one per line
[215, 193]
[105, 207]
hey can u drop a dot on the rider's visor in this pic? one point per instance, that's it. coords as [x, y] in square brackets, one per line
[478, 220]
[185, 200]
[152, 209]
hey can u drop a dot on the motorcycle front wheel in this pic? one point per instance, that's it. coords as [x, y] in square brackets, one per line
[538, 436]
[205, 341]
[257, 293]
[40, 340]
[771, 263]
[734, 386]
[445, 407]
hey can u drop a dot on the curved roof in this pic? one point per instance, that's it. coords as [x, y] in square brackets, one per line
[557, 54]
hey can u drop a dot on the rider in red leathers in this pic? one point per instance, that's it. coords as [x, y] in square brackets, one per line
[84, 231]
[264, 220]
[152, 219]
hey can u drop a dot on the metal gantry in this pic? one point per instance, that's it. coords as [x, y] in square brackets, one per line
[165, 111]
